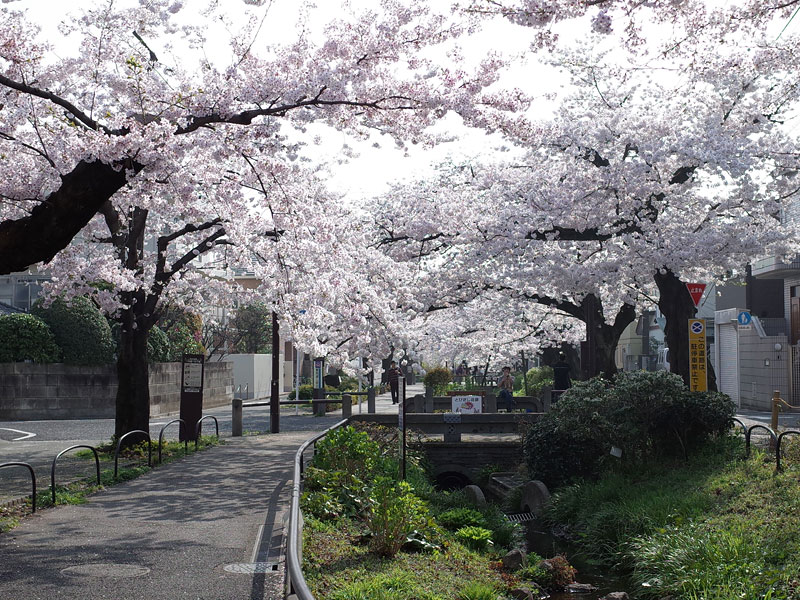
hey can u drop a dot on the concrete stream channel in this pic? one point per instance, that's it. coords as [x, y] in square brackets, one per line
[541, 540]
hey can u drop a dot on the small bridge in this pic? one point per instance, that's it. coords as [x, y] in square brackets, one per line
[462, 447]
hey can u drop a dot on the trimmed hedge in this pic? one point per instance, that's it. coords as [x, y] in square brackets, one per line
[80, 330]
[642, 413]
[438, 378]
[26, 337]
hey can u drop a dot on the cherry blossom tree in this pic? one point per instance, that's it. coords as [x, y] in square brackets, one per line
[636, 183]
[190, 153]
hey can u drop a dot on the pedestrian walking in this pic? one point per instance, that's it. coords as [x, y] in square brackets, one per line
[393, 375]
[561, 379]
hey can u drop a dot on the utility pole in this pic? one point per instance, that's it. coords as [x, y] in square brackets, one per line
[274, 398]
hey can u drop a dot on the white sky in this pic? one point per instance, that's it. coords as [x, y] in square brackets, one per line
[375, 167]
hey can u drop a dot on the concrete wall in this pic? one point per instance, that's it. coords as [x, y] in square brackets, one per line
[57, 391]
[165, 386]
[253, 371]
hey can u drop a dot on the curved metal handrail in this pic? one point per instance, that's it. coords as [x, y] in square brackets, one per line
[296, 579]
[778, 447]
[200, 424]
[149, 449]
[161, 438]
[741, 424]
[33, 479]
[750, 433]
[59, 455]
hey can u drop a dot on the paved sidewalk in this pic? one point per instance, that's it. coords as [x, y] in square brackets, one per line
[210, 527]
[177, 532]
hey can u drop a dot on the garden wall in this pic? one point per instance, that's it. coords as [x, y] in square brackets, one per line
[32, 392]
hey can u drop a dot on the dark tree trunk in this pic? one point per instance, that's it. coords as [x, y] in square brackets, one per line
[677, 306]
[598, 351]
[133, 392]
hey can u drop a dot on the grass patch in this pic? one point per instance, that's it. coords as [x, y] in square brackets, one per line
[717, 526]
[338, 565]
[76, 492]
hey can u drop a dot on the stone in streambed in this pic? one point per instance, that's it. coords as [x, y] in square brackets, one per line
[514, 560]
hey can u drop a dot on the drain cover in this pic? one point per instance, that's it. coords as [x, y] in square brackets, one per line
[521, 517]
[251, 568]
[106, 570]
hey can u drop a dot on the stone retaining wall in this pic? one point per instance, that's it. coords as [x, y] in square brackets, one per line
[31, 392]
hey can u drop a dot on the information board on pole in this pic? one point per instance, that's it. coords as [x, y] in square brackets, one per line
[319, 373]
[192, 371]
[698, 355]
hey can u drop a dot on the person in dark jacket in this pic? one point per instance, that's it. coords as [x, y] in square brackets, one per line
[393, 375]
[561, 380]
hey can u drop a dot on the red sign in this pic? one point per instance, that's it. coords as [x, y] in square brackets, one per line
[696, 291]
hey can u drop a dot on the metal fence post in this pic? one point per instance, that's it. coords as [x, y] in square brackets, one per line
[236, 417]
[371, 400]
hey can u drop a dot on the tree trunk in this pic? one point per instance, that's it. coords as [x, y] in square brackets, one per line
[133, 392]
[677, 306]
[602, 338]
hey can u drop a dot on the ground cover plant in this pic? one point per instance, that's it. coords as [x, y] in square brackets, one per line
[132, 465]
[718, 526]
[369, 535]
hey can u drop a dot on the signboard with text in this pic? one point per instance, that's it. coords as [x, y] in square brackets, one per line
[744, 320]
[466, 404]
[192, 368]
[696, 292]
[698, 355]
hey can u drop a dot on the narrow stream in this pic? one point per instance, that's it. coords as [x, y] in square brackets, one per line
[544, 543]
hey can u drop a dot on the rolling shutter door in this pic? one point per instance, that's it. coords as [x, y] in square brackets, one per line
[729, 361]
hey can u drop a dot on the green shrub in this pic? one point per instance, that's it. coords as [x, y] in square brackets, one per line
[570, 441]
[306, 392]
[394, 513]
[345, 449]
[347, 384]
[158, 348]
[456, 518]
[538, 378]
[79, 329]
[185, 333]
[438, 378]
[643, 413]
[26, 337]
[321, 504]
[341, 493]
[477, 538]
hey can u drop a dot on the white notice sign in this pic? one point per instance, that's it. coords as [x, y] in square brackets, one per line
[192, 377]
[467, 404]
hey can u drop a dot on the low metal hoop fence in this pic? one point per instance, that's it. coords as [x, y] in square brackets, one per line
[33, 479]
[60, 454]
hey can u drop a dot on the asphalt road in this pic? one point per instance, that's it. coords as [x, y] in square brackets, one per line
[38, 442]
